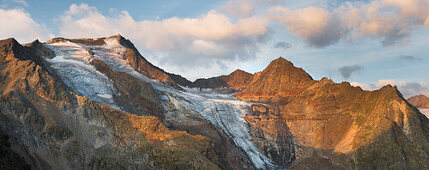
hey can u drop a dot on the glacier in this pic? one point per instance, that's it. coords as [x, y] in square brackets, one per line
[72, 62]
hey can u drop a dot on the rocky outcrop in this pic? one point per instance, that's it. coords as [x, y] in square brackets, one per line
[271, 135]
[278, 83]
[238, 79]
[52, 127]
[421, 101]
[134, 96]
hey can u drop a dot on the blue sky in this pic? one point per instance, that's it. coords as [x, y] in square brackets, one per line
[365, 42]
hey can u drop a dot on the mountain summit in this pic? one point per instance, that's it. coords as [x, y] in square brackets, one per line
[281, 80]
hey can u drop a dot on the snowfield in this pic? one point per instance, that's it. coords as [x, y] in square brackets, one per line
[222, 110]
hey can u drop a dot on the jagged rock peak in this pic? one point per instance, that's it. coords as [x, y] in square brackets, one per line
[281, 78]
[117, 35]
[33, 43]
[10, 45]
[283, 67]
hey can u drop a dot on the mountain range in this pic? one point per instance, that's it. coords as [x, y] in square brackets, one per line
[99, 104]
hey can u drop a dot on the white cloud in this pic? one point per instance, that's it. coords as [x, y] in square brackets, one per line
[19, 24]
[389, 20]
[407, 89]
[196, 42]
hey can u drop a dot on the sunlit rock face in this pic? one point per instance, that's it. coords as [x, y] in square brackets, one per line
[278, 83]
[270, 134]
[98, 104]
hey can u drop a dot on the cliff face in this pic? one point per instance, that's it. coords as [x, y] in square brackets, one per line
[52, 127]
[421, 101]
[377, 129]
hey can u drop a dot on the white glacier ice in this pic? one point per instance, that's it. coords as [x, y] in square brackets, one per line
[226, 112]
[71, 63]
[222, 110]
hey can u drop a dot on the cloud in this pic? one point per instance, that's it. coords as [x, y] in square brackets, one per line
[196, 42]
[407, 89]
[317, 26]
[408, 58]
[392, 21]
[282, 44]
[346, 71]
[19, 24]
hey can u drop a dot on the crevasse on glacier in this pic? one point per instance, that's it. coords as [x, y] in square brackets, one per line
[72, 63]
